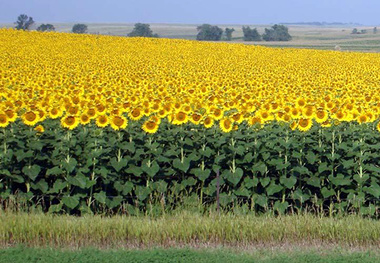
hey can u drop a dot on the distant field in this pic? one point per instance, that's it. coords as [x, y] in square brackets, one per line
[315, 37]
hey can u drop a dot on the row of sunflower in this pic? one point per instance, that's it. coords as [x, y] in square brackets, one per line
[82, 79]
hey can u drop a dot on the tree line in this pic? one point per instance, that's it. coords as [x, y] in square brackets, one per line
[205, 31]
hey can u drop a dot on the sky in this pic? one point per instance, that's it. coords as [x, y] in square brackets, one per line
[366, 12]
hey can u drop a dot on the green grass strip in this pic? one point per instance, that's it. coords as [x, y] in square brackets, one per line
[184, 228]
[30, 255]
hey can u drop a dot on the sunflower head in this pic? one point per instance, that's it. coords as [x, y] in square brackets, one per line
[208, 122]
[102, 121]
[304, 124]
[30, 118]
[39, 129]
[70, 122]
[119, 122]
[150, 126]
[4, 120]
[226, 125]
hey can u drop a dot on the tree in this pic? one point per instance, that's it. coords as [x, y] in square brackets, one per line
[46, 27]
[375, 30]
[251, 34]
[209, 32]
[79, 28]
[142, 30]
[228, 32]
[355, 31]
[363, 31]
[24, 22]
[277, 33]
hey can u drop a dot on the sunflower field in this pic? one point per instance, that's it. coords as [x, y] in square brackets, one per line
[103, 124]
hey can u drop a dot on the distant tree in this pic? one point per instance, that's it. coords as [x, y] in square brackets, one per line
[355, 31]
[277, 33]
[46, 27]
[142, 30]
[251, 34]
[363, 31]
[228, 32]
[375, 30]
[209, 32]
[79, 28]
[24, 22]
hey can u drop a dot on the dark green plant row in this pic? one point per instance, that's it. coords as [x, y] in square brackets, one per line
[100, 170]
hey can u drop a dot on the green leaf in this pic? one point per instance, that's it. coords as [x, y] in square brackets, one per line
[264, 181]
[100, 197]
[273, 188]
[259, 167]
[79, 180]
[242, 191]
[142, 192]
[118, 165]
[261, 200]
[327, 192]
[201, 174]
[340, 180]
[55, 208]
[235, 177]
[54, 171]
[314, 181]
[251, 182]
[161, 186]
[123, 188]
[311, 157]
[32, 171]
[183, 166]
[70, 165]
[135, 170]
[373, 190]
[40, 185]
[58, 186]
[281, 206]
[152, 170]
[70, 201]
[114, 201]
[288, 182]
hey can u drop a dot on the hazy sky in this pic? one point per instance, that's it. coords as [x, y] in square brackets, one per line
[194, 11]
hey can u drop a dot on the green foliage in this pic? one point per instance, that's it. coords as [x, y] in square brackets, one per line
[228, 32]
[331, 170]
[142, 30]
[251, 34]
[277, 33]
[209, 32]
[46, 27]
[24, 22]
[375, 30]
[79, 29]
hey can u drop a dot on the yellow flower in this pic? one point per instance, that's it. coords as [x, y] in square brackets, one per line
[84, 119]
[70, 122]
[4, 121]
[180, 118]
[136, 114]
[30, 118]
[150, 126]
[305, 124]
[39, 128]
[208, 122]
[102, 121]
[226, 125]
[118, 122]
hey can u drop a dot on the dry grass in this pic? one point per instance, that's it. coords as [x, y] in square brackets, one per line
[188, 229]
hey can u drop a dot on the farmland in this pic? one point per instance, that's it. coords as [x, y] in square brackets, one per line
[138, 127]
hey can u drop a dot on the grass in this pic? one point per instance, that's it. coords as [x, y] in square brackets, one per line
[22, 254]
[185, 228]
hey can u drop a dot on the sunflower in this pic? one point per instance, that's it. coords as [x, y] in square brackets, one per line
[208, 122]
[136, 114]
[11, 114]
[39, 128]
[293, 125]
[321, 116]
[91, 113]
[195, 118]
[4, 120]
[255, 120]
[30, 118]
[226, 125]
[102, 121]
[217, 114]
[55, 113]
[301, 102]
[238, 118]
[84, 119]
[378, 126]
[70, 122]
[180, 118]
[118, 122]
[340, 116]
[150, 126]
[362, 118]
[305, 124]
